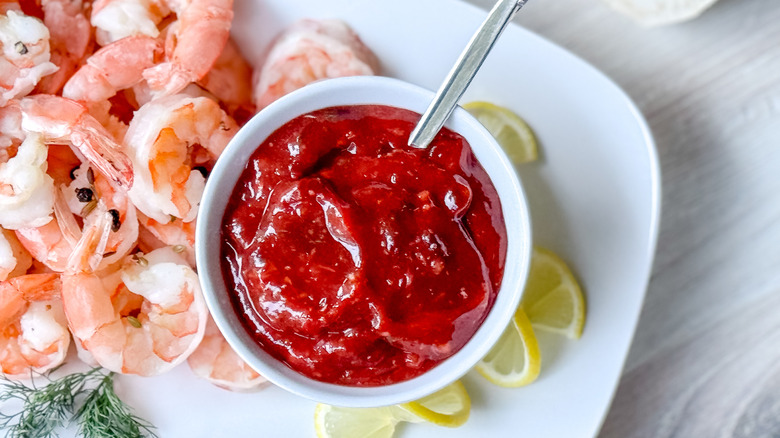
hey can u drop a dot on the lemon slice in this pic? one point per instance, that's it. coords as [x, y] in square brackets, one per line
[515, 360]
[337, 422]
[660, 12]
[512, 133]
[552, 299]
[449, 407]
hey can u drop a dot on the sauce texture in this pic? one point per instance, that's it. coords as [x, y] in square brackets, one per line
[356, 259]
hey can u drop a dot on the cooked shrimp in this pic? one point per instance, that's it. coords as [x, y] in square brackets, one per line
[34, 336]
[230, 81]
[53, 243]
[114, 67]
[162, 142]
[143, 319]
[14, 259]
[60, 119]
[117, 19]
[85, 191]
[308, 51]
[47, 244]
[26, 55]
[10, 5]
[71, 39]
[177, 234]
[26, 191]
[197, 39]
[215, 361]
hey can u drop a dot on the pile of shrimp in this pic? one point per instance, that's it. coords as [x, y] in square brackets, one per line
[112, 113]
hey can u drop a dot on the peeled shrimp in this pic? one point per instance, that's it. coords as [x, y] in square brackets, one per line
[114, 67]
[308, 51]
[33, 331]
[230, 81]
[117, 19]
[177, 234]
[26, 191]
[71, 38]
[85, 191]
[14, 259]
[26, 55]
[53, 243]
[143, 319]
[162, 141]
[9, 5]
[215, 361]
[60, 119]
[194, 44]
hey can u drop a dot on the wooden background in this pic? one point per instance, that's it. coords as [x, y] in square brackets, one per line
[705, 361]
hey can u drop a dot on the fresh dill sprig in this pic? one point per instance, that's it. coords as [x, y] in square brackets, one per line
[104, 415]
[47, 409]
[44, 409]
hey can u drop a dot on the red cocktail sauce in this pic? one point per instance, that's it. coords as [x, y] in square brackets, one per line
[356, 259]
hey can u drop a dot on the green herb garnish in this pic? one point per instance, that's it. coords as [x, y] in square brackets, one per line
[104, 415]
[88, 398]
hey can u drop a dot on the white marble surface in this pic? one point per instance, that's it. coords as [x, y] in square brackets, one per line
[705, 361]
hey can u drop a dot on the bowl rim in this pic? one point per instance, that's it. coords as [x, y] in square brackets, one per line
[362, 90]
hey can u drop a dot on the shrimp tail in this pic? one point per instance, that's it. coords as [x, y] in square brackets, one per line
[61, 119]
[88, 252]
[65, 220]
[105, 154]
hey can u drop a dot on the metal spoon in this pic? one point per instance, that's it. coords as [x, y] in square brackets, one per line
[463, 72]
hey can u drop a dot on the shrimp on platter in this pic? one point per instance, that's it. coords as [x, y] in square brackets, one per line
[193, 44]
[117, 19]
[34, 336]
[230, 81]
[75, 202]
[71, 40]
[26, 191]
[177, 234]
[215, 361]
[144, 318]
[14, 259]
[193, 41]
[308, 51]
[114, 67]
[60, 119]
[87, 189]
[9, 5]
[168, 140]
[26, 55]
[52, 244]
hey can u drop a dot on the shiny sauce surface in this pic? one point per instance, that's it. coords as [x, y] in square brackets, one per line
[356, 259]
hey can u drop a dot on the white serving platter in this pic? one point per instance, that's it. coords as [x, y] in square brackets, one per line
[594, 199]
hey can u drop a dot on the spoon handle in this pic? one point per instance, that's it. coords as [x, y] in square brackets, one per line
[463, 72]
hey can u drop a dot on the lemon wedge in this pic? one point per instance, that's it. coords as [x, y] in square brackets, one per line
[510, 131]
[336, 422]
[515, 360]
[553, 299]
[449, 407]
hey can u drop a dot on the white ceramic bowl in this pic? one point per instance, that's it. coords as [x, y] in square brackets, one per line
[356, 91]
